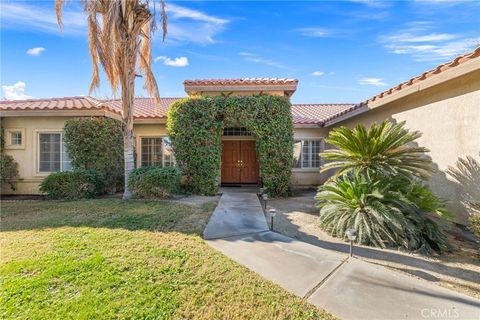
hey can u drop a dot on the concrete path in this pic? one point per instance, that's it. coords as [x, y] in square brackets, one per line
[237, 213]
[348, 288]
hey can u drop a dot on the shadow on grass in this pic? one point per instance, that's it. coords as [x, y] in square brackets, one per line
[159, 216]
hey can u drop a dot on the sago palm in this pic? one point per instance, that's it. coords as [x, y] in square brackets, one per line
[120, 40]
[383, 149]
[385, 211]
[354, 201]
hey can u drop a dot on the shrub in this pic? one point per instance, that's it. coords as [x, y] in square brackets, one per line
[154, 182]
[97, 143]
[8, 170]
[383, 211]
[71, 185]
[195, 126]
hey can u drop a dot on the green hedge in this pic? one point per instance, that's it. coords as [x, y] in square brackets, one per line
[97, 143]
[195, 126]
[154, 182]
[71, 185]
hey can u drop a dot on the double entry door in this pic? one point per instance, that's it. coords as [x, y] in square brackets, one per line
[239, 161]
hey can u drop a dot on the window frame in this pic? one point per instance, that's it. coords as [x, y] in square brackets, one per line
[309, 168]
[9, 135]
[140, 149]
[62, 152]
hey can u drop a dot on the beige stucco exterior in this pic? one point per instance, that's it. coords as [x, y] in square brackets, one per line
[445, 108]
[448, 116]
[27, 155]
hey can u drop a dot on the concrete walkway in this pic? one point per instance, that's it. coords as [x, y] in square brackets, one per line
[348, 288]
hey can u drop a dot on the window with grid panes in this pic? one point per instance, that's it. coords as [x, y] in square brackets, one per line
[306, 154]
[156, 151]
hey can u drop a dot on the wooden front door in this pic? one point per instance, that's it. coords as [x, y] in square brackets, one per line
[239, 161]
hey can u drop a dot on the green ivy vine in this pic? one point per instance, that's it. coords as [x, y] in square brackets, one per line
[195, 126]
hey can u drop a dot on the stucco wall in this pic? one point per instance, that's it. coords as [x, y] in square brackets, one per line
[308, 177]
[27, 157]
[448, 115]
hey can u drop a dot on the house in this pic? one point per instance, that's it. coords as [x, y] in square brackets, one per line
[443, 103]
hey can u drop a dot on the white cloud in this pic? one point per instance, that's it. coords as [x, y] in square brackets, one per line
[175, 62]
[314, 32]
[15, 91]
[178, 12]
[318, 73]
[418, 41]
[184, 24]
[374, 3]
[247, 56]
[378, 82]
[188, 25]
[18, 15]
[35, 51]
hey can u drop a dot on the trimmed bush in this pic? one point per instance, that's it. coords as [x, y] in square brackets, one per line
[71, 185]
[195, 126]
[154, 182]
[97, 143]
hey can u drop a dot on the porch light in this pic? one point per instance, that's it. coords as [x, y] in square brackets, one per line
[265, 198]
[351, 235]
[273, 213]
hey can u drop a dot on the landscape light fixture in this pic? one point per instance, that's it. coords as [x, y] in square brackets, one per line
[265, 198]
[262, 190]
[351, 235]
[272, 212]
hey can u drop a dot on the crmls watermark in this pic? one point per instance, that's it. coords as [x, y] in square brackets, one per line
[440, 313]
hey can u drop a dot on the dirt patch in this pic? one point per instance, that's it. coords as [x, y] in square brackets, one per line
[297, 217]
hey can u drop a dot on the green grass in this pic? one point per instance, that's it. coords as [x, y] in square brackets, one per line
[137, 259]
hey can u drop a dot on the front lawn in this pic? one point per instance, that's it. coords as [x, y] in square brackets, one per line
[138, 259]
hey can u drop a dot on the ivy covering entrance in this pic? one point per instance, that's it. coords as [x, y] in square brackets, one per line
[195, 126]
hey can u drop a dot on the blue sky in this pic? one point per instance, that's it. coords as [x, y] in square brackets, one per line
[341, 51]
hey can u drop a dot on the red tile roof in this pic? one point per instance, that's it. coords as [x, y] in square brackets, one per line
[68, 103]
[318, 113]
[240, 82]
[428, 74]
[145, 107]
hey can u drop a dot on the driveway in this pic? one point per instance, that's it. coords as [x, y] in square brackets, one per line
[347, 287]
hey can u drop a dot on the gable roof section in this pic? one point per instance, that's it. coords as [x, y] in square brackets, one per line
[427, 74]
[318, 113]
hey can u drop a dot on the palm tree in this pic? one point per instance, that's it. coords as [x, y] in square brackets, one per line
[384, 149]
[120, 39]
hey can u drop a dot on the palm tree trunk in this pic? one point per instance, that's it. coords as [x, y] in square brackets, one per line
[128, 93]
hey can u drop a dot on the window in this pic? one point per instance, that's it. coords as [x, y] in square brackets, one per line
[16, 138]
[236, 132]
[53, 156]
[157, 151]
[306, 153]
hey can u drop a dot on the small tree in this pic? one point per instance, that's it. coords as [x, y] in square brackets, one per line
[121, 42]
[8, 166]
